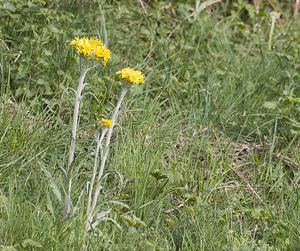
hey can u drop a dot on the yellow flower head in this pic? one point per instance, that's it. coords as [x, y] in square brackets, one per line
[90, 47]
[132, 76]
[102, 52]
[105, 122]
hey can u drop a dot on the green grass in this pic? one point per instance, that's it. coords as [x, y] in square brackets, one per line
[205, 164]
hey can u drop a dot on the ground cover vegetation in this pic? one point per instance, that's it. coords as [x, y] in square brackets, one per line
[204, 154]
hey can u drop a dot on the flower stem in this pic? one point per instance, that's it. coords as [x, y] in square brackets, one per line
[99, 143]
[274, 16]
[75, 117]
[110, 130]
[105, 154]
[80, 87]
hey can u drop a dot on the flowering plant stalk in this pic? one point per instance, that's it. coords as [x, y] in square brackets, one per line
[93, 49]
[274, 16]
[131, 77]
[87, 49]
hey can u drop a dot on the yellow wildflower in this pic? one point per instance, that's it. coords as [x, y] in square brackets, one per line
[97, 42]
[74, 42]
[105, 122]
[91, 47]
[102, 52]
[132, 76]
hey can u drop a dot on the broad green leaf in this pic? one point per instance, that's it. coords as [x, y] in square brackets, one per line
[9, 6]
[32, 243]
[270, 105]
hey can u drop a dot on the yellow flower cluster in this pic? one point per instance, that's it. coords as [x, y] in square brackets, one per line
[90, 47]
[132, 76]
[105, 122]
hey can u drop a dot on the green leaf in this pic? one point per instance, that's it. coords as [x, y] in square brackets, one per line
[191, 197]
[104, 219]
[54, 29]
[53, 184]
[19, 92]
[7, 248]
[62, 170]
[256, 160]
[158, 175]
[9, 6]
[49, 204]
[3, 14]
[262, 14]
[153, 245]
[41, 1]
[32, 243]
[270, 105]
[296, 100]
[3, 201]
[242, 247]
[115, 202]
[169, 221]
[48, 53]
[41, 82]
[135, 221]
[295, 128]
[205, 5]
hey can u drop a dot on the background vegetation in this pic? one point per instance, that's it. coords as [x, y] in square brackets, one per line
[208, 148]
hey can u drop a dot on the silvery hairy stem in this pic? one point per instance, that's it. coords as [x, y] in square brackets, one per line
[274, 17]
[99, 144]
[75, 116]
[78, 96]
[105, 154]
[110, 130]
